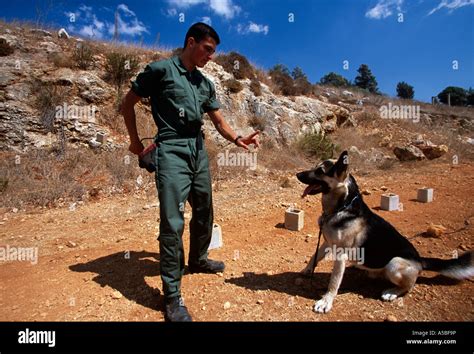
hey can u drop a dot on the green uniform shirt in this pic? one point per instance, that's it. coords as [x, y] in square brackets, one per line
[179, 98]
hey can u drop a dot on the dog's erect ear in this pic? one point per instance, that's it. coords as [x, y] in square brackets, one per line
[340, 167]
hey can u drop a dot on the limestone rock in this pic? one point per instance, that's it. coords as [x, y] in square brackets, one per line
[408, 153]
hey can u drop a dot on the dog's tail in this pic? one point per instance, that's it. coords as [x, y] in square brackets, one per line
[457, 268]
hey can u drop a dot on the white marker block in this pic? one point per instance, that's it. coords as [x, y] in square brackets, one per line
[216, 239]
[294, 219]
[100, 137]
[425, 195]
[389, 202]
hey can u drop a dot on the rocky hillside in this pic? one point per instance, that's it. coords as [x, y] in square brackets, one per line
[41, 65]
[35, 57]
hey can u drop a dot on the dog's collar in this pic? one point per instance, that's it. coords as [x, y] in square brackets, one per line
[347, 206]
[342, 208]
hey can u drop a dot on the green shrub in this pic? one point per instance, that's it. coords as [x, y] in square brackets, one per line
[333, 79]
[405, 91]
[316, 145]
[458, 96]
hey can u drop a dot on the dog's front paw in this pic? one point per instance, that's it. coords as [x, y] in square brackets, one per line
[389, 295]
[324, 305]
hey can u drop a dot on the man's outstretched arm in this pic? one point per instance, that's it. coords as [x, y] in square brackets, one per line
[127, 108]
[228, 133]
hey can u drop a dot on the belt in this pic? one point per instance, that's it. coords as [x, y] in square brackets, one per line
[199, 138]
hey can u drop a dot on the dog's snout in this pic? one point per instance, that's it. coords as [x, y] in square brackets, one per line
[301, 176]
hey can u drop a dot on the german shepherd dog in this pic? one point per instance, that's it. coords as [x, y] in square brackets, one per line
[348, 224]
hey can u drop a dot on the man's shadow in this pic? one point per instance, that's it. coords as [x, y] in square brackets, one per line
[126, 272]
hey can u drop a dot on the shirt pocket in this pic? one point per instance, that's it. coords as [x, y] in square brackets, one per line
[175, 94]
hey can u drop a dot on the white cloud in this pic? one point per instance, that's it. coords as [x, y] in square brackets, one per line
[90, 31]
[132, 27]
[88, 25]
[252, 28]
[87, 22]
[124, 8]
[451, 5]
[384, 9]
[98, 24]
[184, 4]
[224, 8]
[171, 12]
[207, 19]
[85, 8]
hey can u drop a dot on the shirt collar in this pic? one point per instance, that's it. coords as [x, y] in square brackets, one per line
[179, 64]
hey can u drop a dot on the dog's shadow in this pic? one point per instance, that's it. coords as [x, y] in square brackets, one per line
[126, 272]
[355, 281]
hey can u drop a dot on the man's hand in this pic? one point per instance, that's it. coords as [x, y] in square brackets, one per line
[136, 147]
[244, 142]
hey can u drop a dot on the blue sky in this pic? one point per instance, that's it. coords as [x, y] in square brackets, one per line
[417, 41]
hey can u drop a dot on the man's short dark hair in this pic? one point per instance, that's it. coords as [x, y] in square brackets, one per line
[200, 31]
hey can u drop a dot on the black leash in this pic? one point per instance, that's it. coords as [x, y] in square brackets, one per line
[316, 255]
[345, 206]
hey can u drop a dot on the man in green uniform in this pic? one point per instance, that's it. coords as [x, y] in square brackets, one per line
[180, 95]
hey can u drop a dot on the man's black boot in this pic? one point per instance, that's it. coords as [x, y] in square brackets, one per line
[208, 266]
[176, 311]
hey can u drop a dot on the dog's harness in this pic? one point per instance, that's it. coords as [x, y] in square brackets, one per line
[325, 217]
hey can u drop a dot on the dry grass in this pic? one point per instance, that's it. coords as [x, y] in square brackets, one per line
[255, 87]
[47, 97]
[369, 116]
[258, 123]
[262, 76]
[41, 178]
[279, 158]
[61, 60]
[83, 55]
[236, 64]
[233, 85]
[112, 119]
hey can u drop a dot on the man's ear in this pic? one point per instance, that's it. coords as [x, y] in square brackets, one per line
[191, 41]
[340, 167]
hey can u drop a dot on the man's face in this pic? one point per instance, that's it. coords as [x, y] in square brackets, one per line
[203, 51]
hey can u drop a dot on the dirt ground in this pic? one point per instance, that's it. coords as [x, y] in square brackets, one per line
[99, 261]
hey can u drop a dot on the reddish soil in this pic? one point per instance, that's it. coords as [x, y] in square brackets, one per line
[100, 262]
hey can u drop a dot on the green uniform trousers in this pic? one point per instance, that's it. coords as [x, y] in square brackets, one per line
[182, 175]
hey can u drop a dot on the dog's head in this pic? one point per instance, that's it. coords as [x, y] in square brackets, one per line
[326, 176]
